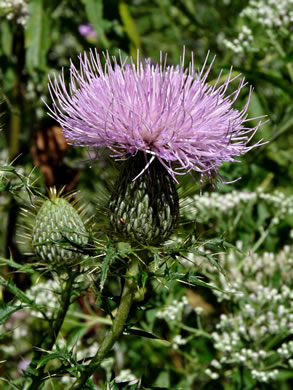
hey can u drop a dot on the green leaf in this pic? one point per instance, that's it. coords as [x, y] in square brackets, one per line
[129, 26]
[255, 109]
[142, 333]
[51, 356]
[191, 279]
[162, 380]
[75, 335]
[6, 37]
[285, 125]
[4, 335]
[22, 268]
[15, 291]
[111, 255]
[37, 35]
[94, 12]
[289, 58]
[256, 76]
[6, 310]
[210, 257]
[10, 262]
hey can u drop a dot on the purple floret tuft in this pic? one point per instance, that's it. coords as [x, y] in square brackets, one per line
[168, 112]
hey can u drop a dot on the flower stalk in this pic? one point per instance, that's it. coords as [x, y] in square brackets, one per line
[117, 326]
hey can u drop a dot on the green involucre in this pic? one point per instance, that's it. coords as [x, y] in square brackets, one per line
[145, 210]
[57, 228]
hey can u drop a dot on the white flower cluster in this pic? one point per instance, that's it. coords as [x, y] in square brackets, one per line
[17, 329]
[286, 349]
[203, 208]
[261, 292]
[16, 10]
[253, 273]
[80, 349]
[85, 351]
[177, 341]
[46, 295]
[174, 311]
[264, 376]
[244, 41]
[270, 13]
[126, 376]
[274, 18]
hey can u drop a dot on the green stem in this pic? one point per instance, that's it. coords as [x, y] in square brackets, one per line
[262, 237]
[117, 326]
[15, 128]
[35, 376]
[281, 51]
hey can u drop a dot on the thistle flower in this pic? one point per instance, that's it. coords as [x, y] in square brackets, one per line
[169, 115]
[87, 31]
[168, 112]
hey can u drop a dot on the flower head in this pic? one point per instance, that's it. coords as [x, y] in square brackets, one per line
[168, 112]
[87, 31]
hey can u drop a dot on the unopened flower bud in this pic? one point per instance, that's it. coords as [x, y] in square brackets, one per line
[58, 227]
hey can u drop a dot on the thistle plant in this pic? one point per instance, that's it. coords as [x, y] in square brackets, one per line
[160, 121]
[57, 235]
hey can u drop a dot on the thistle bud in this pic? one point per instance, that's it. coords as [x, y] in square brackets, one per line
[144, 206]
[57, 228]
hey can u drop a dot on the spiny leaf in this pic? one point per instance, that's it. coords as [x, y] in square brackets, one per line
[111, 254]
[22, 268]
[143, 333]
[54, 355]
[6, 310]
[189, 279]
[210, 257]
[15, 291]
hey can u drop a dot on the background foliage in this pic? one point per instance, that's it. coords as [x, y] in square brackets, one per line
[239, 235]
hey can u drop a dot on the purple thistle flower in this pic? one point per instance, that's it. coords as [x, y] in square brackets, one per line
[23, 365]
[87, 31]
[168, 112]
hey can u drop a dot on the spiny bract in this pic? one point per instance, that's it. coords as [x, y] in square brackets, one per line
[145, 210]
[57, 226]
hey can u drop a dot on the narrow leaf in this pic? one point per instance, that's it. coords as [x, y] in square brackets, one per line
[129, 26]
[210, 257]
[94, 12]
[6, 37]
[15, 291]
[143, 333]
[45, 359]
[10, 262]
[37, 35]
[6, 310]
[111, 255]
[257, 76]
[193, 280]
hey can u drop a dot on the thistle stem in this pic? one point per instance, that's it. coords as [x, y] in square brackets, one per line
[34, 381]
[117, 326]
